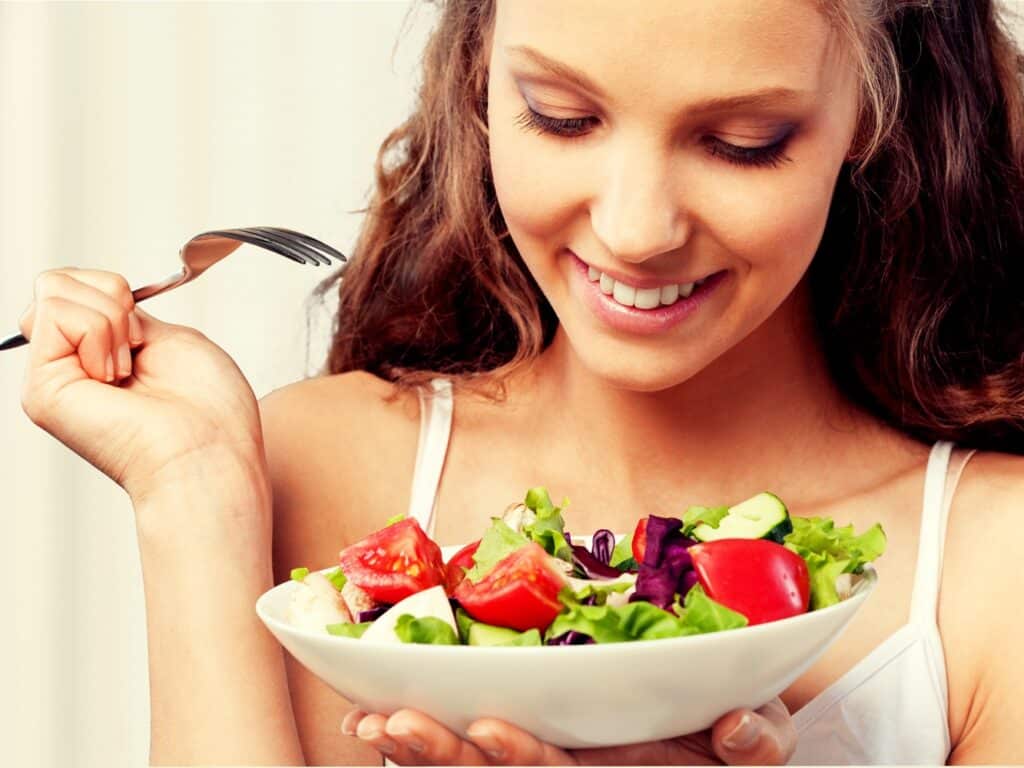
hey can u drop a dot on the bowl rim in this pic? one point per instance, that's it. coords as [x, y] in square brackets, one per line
[864, 587]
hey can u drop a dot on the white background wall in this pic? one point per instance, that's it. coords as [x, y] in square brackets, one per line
[125, 129]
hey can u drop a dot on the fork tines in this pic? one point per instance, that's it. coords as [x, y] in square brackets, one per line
[289, 243]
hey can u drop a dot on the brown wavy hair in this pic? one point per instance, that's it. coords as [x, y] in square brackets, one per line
[916, 284]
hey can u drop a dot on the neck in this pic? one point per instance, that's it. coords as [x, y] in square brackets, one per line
[746, 423]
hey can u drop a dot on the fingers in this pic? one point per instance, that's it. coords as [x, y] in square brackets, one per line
[83, 312]
[762, 737]
[411, 738]
[370, 729]
[505, 744]
[64, 328]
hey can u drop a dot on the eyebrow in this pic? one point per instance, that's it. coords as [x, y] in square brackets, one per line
[763, 97]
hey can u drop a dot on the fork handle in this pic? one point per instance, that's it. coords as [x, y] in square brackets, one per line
[17, 340]
[139, 294]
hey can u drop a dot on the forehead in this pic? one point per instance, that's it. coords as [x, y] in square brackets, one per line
[660, 52]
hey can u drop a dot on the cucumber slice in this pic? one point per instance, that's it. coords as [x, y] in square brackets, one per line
[487, 634]
[761, 517]
[463, 621]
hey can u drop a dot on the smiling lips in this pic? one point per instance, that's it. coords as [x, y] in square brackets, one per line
[631, 309]
[641, 298]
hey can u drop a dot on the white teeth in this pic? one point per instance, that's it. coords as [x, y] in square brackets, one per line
[647, 298]
[641, 298]
[624, 294]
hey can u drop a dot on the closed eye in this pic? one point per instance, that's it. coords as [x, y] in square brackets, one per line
[770, 155]
[572, 127]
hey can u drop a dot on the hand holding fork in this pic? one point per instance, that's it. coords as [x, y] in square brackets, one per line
[180, 402]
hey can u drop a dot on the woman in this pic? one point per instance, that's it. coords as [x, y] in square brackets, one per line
[679, 255]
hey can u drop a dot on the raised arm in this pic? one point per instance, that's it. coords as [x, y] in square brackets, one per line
[174, 423]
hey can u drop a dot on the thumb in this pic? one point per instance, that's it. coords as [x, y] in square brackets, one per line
[762, 737]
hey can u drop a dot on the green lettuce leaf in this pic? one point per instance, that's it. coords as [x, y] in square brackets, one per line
[628, 566]
[299, 574]
[694, 516]
[601, 622]
[428, 630]
[344, 629]
[823, 570]
[830, 551]
[644, 621]
[499, 542]
[705, 615]
[622, 555]
[570, 596]
[395, 519]
[547, 527]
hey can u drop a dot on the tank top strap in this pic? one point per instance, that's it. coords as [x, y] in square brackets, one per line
[941, 478]
[436, 406]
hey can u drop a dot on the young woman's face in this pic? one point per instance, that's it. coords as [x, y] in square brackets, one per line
[666, 148]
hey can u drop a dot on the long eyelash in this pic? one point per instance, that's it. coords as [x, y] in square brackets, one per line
[569, 128]
[771, 156]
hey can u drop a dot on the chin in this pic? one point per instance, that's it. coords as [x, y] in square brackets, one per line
[638, 372]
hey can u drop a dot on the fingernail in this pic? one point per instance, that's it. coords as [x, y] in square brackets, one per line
[490, 745]
[134, 328]
[110, 368]
[412, 743]
[378, 741]
[350, 722]
[407, 739]
[744, 735]
[124, 361]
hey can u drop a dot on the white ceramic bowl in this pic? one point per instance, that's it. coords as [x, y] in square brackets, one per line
[572, 696]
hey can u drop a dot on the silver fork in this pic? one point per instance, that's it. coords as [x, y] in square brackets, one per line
[206, 249]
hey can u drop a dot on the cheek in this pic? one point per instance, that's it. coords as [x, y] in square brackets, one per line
[775, 217]
[537, 183]
[767, 218]
[536, 197]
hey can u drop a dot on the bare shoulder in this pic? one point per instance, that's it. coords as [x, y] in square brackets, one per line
[357, 397]
[340, 451]
[979, 615]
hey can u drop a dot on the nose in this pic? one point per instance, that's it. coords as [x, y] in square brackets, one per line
[636, 214]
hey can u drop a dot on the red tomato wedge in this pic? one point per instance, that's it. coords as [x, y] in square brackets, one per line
[521, 592]
[394, 562]
[455, 570]
[758, 578]
[640, 541]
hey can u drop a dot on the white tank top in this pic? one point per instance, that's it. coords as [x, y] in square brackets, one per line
[891, 707]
